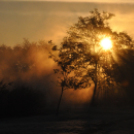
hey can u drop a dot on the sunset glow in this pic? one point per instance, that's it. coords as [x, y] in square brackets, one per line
[106, 43]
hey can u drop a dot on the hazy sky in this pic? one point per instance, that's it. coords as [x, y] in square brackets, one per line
[50, 20]
[78, 0]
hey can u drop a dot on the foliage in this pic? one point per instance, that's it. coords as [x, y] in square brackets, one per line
[81, 53]
[26, 74]
[20, 101]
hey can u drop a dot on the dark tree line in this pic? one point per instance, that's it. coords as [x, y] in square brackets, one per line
[24, 78]
[20, 101]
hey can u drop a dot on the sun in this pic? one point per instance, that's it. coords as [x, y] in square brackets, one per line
[106, 43]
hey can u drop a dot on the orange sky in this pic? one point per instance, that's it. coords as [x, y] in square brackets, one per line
[50, 20]
[107, 1]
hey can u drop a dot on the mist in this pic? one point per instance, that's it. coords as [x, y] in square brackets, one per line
[26, 63]
[36, 99]
[26, 72]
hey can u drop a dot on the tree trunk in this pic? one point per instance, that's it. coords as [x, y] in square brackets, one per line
[92, 103]
[58, 107]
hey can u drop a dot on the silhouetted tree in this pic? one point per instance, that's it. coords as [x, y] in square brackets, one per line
[81, 53]
[65, 70]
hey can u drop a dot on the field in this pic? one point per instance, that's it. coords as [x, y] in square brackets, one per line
[94, 121]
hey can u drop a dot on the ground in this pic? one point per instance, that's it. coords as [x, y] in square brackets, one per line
[92, 121]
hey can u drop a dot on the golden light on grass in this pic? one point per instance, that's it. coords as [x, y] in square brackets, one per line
[106, 43]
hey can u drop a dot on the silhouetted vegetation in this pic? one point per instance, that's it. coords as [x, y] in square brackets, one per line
[25, 74]
[80, 54]
[27, 82]
[21, 101]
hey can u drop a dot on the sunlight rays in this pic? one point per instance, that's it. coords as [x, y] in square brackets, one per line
[106, 43]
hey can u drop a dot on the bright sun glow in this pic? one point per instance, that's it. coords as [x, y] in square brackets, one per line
[106, 43]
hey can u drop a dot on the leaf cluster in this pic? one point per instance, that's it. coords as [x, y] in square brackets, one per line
[80, 52]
